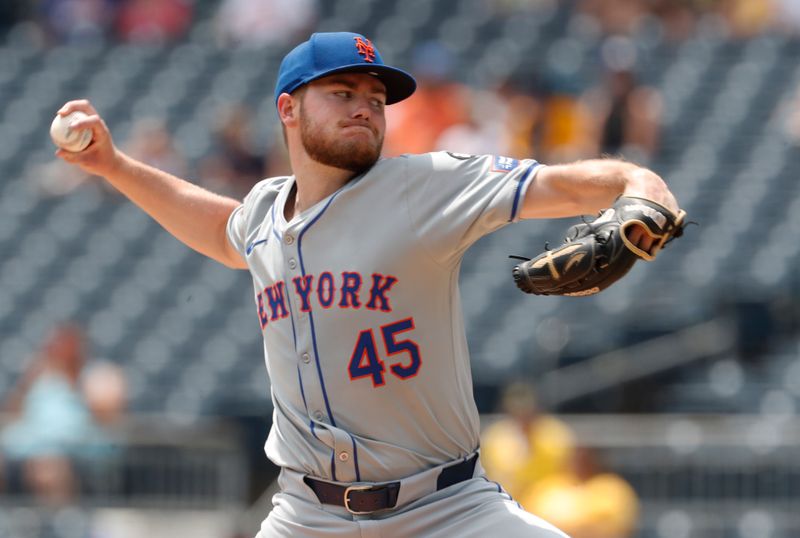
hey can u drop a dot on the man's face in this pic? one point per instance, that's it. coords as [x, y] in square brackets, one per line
[342, 120]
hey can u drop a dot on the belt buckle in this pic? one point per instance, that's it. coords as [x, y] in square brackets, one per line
[350, 489]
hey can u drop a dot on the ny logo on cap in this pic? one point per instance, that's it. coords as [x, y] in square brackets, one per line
[365, 49]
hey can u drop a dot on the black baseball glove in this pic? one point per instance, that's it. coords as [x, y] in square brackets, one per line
[596, 254]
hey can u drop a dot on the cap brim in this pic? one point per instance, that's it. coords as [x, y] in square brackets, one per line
[399, 84]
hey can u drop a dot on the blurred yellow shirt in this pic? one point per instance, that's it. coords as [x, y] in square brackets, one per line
[605, 506]
[518, 459]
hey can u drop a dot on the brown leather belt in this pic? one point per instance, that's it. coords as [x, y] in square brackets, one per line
[367, 498]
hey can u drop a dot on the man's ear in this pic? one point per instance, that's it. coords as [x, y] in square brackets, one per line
[287, 109]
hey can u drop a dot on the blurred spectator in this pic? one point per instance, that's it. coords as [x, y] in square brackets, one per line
[105, 391]
[632, 121]
[236, 164]
[615, 16]
[526, 446]
[49, 419]
[786, 16]
[415, 125]
[628, 114]
[150, 142]
[746, 18]
[73, 21]
[12, 12]
[57, 178]
[788, 115]
[585, 502]
[482, 132]
[259, 23]
[567, 132]
[678, 18]
[522, 119]
[153, 21]
[52, 429]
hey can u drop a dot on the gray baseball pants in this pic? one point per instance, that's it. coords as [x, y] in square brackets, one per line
[475, 508]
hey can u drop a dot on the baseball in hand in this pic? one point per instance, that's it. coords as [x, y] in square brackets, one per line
[67, 138]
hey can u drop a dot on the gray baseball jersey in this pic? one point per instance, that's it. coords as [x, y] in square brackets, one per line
[358, 302]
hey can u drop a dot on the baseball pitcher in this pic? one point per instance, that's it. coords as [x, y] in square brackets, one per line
[355, 262]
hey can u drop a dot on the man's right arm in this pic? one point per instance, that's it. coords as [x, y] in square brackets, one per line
[195, 216]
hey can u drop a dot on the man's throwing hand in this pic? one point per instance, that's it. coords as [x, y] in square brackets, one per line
[100, 157]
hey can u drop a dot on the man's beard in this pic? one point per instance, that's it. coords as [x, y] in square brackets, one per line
[346, 154]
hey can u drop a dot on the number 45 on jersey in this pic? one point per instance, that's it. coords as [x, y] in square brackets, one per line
[403, 354]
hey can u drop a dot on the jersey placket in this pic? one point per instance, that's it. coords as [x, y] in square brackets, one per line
[344, 459]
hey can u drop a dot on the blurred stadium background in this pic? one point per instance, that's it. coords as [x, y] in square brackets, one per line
[684, 379]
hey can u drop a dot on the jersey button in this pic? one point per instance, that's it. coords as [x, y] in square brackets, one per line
[306, 358]
[288, 239]
[344, 456]
[318, 415]
[292, 263]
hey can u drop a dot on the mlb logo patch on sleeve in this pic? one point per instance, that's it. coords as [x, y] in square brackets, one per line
[504, 164]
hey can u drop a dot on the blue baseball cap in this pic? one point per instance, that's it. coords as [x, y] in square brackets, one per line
[340, 52]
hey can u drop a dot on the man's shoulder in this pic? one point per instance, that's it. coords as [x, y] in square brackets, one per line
[259, 201]
[450, 164]
[266, 189]
[434, 160]
[270, 184]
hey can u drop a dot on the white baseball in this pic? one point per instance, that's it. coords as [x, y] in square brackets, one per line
[65, 137]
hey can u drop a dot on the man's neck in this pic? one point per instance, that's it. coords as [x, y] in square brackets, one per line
[313, 182]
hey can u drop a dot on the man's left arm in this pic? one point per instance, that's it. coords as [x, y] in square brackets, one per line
[586, 187]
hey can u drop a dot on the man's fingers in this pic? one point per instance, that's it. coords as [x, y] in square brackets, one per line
[100, 157]
[82, 105]
[646, 244]
[637, 236]
[72, 157]
[93, 122]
